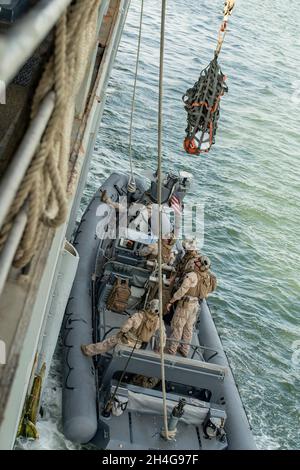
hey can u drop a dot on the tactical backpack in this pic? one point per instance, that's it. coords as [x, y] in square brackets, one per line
[118, 298]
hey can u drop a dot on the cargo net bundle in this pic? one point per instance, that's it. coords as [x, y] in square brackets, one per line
[202, 104]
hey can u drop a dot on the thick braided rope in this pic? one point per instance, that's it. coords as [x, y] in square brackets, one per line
[36, 204]
[52, 162]
[44, 187]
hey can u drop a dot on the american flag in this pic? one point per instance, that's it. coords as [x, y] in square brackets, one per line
[175, 204]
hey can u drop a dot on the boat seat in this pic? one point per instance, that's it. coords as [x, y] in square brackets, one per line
[178, 370]
[137, 292]
[194, 414]
[138, 277]
[148, 356]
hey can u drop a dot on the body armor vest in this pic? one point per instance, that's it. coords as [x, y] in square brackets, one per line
[182, 265]
[167, 250]
[146, 329]
[119, 296]
[203, 287]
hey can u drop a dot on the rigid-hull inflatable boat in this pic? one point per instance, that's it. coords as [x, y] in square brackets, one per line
[213, 415]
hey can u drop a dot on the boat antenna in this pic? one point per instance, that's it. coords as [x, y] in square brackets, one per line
[131, 187]
[159, 185]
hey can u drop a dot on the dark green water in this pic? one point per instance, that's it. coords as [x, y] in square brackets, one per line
[249, 185]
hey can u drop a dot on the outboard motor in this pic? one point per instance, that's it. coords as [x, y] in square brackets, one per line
[185, 182]
[169, 184]
[213, 425]
[172, 185]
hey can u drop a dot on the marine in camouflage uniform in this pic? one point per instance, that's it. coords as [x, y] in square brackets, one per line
[151, 251]
[138, 215]
[196, 285]
[168, 258]
[138, 329]
[191, 252]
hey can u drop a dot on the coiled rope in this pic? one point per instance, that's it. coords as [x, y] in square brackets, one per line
[131, 183]
[44, 187]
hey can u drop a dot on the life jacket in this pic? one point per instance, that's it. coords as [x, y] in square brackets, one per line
[190, 146]
[206, 284]
[147, 327]
[182, 270]
[119, 296]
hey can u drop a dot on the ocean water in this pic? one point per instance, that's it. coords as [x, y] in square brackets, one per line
[249, 185]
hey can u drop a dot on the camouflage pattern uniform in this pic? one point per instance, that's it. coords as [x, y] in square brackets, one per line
[195, 286]
[139, 218]
[191, 252]
[151, 251]
[137, 214]
[188, 256]
[115, 205]
[136, 330]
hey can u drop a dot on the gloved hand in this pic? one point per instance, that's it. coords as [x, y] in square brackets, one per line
[121, 335]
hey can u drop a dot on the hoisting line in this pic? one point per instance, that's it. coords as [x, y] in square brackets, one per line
[228, 8]
[131, 181]
[159, 183]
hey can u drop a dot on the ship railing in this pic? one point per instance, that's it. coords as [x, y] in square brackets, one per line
[16, 46]
[19, 43]
[13, 178]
